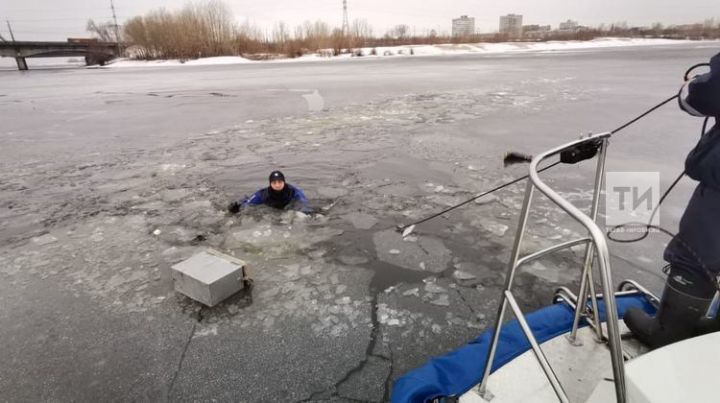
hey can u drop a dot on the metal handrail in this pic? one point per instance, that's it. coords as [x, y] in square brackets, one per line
[602, 254]
[552, 377]
[565, 245]
[564, 294]
[482, 390]
[596, 249]
[632, 284]
[587, 284]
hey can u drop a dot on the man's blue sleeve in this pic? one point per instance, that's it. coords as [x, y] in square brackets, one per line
[256, 199]
[300, 196]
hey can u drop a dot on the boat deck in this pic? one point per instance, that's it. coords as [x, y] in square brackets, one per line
[584, 369]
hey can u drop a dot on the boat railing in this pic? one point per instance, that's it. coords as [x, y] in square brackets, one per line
[596, 250]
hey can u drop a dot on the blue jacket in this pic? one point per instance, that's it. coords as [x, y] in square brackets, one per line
[289, 196]
[697, 243]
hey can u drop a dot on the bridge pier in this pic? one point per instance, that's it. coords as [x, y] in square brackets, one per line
[21, 63]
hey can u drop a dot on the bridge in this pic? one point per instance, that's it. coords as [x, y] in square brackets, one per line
[94, 52]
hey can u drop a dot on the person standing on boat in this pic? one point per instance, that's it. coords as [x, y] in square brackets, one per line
[279, 195]
[694, 253]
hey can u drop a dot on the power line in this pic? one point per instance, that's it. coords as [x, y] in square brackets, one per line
[35, 10]
[51, 31]
[42, 20]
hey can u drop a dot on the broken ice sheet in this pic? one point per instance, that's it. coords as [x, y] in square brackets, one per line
[441, 300]
[361, 220]
[552, 274]
[433, 288]
[491, 226]
[487, 199]
[445, 200]
[331, 192]
[277, 240]
[461, 275]
[431, 251]
[353, 260]
[413, 292]
[44, 240]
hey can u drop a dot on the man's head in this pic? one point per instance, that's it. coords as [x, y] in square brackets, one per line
[277, 181]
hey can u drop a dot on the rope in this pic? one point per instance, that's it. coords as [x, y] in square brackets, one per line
[403, 228]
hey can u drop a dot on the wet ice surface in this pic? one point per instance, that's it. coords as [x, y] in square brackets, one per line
[342, 303]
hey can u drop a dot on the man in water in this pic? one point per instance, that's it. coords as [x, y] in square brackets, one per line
[279, 195]
[694, 253]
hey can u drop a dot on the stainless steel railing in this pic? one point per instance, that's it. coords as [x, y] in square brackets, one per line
[596, 251]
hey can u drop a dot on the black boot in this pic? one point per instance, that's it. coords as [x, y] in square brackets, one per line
[707, 325]
[685, 300]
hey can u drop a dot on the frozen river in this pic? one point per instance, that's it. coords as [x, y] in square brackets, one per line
[110, 176]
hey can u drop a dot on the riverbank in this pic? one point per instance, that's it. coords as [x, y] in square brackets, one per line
[415, 50]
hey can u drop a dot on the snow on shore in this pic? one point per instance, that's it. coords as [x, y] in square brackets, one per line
[424, 50]
[207, 61]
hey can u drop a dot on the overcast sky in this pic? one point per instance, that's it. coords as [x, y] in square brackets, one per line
[56, 19]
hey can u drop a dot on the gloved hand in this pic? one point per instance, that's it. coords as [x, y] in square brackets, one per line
[234, 207]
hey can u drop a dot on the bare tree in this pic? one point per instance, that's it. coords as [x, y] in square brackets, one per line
[281, 34]
[317, 35]
[104, 31]
[299, 33]
[399, 32]
[338, 41]
[198, 30]
[360, 32]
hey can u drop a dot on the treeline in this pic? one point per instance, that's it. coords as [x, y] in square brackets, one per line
[209, 29]
[198, 30]
[710, 29]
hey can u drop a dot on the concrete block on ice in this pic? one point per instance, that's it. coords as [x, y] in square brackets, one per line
[208, 277]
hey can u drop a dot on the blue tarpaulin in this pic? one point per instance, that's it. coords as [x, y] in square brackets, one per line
[456, 372]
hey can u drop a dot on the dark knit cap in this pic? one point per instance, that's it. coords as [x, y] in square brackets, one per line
[277, 176]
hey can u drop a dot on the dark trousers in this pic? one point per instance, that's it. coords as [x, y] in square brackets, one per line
[696, 247]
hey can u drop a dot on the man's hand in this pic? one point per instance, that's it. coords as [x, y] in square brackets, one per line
[234, 207]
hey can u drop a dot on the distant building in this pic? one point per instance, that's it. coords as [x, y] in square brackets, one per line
[511, 24]
[536, 28]
[463, 26]
[536, 31]
[688, 27]
[569, 25]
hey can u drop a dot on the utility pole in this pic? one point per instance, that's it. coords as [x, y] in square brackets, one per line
[117, 27]
[10, 29]
[346, 24]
